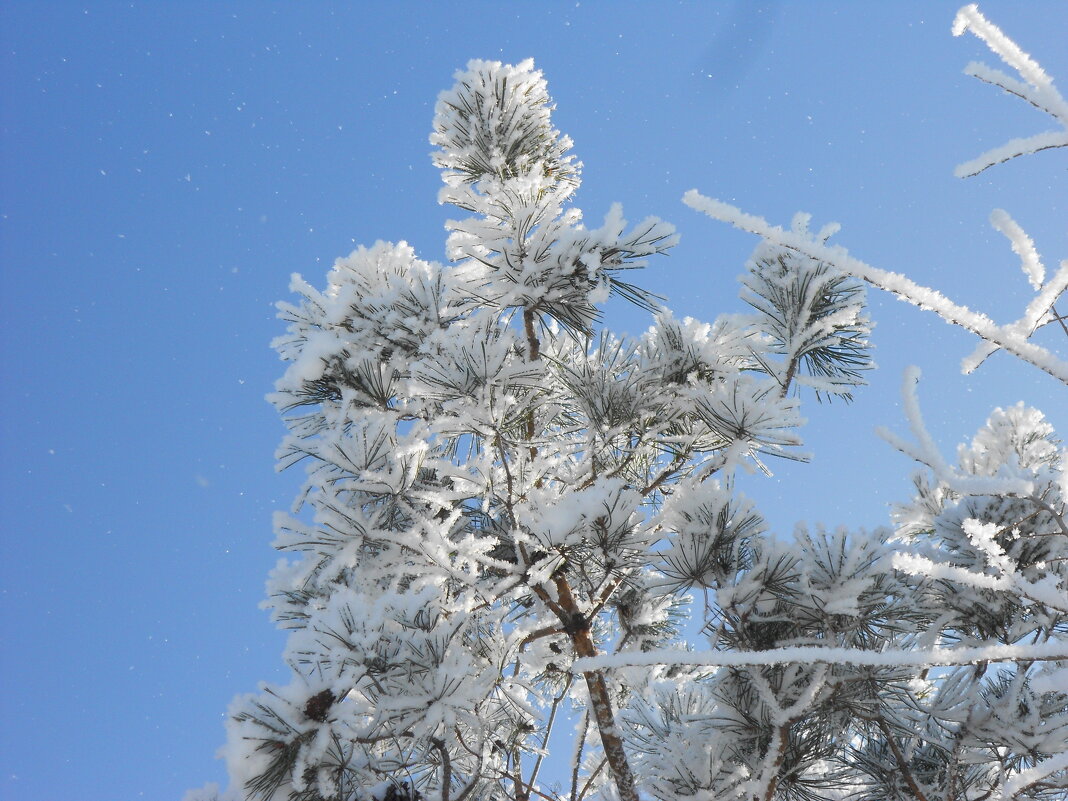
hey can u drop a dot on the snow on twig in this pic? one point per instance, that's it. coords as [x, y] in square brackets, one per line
[1038, 312]
[926, 452]
[1005, 337]
[1036, 88]
[1031, 776]
[1040, 309]
[1054, 651]
[1022, 245]
[1045, 591]
[1020, 146]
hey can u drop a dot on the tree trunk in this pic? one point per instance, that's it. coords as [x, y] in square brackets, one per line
[578, 628]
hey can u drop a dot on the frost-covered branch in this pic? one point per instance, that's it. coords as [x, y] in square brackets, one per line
[926, 452]
[1029, 777]
[1041, 309]
[1054, 651]
[1008, 338]
[1047, 592]
[1036, 88]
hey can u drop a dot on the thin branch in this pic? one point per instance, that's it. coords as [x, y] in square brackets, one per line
[605, 596]
[1057, 516]
[1055, 651]
[672, 468]
[770, 775]
[446, 767]
[546, 631]
[549, 727]
[591, 777]
[1058, 317]
[895, 283]
[576, 757]
[902, 763]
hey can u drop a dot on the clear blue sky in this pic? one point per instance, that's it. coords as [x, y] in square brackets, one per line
[166, 166]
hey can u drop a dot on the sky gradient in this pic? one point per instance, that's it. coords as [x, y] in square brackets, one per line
[166, 166]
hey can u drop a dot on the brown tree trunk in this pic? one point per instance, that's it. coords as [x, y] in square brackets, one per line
[578, 628]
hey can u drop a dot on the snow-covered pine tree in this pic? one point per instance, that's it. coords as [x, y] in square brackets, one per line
[497, 488]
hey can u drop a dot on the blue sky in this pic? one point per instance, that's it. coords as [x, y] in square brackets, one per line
[166, 166]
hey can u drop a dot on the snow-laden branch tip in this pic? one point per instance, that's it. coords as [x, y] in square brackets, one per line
[1036, 88]
[1022, 245]
[926, 452]
[1008, 338]
[1045, 591]
[1032, 776]
[1052, 651]
[1040, 310]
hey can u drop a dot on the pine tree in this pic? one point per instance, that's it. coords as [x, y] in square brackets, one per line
[514, 520]
[492, 478]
